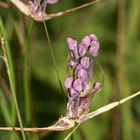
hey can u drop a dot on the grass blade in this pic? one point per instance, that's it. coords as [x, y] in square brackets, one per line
[10, 70]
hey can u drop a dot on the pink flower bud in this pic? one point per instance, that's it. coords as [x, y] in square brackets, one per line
[72, 43]
[78, 67]
[73, 92]
[86, 41]
[85, 62]
[84, 103]
[93, 37]
[82, 49]
[97, 86]
[68, 82]
[82, 74]
[94, 48]
[78, 85]
[72, 64]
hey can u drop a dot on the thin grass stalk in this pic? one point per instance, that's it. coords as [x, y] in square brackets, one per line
[70, 134]
[51, 50]
[53, 57]
[10, 70]
[25, 10]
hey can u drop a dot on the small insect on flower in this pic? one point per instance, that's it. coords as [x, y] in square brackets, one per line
[78, 83]
[38, 6]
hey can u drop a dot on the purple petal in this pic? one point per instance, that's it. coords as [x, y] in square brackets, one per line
[85, 103]
[72, 43]
[72, 64]
[78, 85]
[97, 86]
[72, 107]
[93, 37]
[82, 74]
[68, 82]
[75, 53]
[78, 67]
[85, 62]
[86, 41]
[52, 1]
[94, 48]
[82, 49]
[73, 92]
[85, 83]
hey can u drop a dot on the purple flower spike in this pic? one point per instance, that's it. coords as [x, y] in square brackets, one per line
[85, 62]
[68, 82]
[78, 85]
[72, 43]
[52, 1]
[94, 48]
[82, 74]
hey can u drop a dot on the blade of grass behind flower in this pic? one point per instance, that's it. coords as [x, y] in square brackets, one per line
[7, 116]
[4, 108]
[10, 71]
[26, 77]
[26, 74]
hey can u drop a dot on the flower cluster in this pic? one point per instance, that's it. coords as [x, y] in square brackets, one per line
[78, 83]
[38, 6]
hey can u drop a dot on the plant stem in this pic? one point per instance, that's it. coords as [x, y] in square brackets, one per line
[64, 123]
[27, 11]
[52, 54]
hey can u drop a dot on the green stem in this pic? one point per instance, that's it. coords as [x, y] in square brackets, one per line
[51, 49]
[52, 54]
[10, 70]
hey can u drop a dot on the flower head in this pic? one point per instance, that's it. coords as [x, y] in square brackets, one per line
[78, 83]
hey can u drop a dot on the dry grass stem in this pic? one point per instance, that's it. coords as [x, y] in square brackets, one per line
[25, 9]
[65, 123]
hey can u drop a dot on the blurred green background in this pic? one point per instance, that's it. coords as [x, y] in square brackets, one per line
[41, 102]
